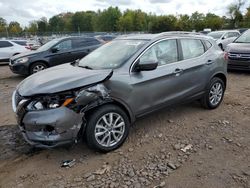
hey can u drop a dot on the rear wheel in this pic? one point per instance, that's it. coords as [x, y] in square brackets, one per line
[107, 128]
[214, 95]
[36, 67]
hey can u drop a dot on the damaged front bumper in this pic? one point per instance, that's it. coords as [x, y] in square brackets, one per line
[51, 128]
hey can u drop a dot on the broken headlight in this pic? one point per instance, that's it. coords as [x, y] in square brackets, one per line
[50, 102]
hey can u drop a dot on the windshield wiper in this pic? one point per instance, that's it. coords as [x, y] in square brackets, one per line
[86, 67]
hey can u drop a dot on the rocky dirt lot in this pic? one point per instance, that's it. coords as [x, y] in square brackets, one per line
[184, 146]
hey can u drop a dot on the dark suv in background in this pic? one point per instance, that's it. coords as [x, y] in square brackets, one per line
[105, 92]
[238, 52]
[55, 52]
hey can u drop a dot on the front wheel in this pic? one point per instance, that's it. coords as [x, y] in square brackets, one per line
[107, 128]
[214, 95]
[37, 67]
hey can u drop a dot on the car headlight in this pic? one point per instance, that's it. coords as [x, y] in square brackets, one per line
[50, 102]
[22, 60]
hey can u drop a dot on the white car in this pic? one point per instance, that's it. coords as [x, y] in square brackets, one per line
[223, 38]
[9, 48]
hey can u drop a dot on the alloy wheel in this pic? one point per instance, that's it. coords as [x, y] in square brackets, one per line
[216, 93]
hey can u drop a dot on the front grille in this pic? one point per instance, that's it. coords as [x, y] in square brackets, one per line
[239, 56]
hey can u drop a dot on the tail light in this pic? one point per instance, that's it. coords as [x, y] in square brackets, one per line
[226, 56]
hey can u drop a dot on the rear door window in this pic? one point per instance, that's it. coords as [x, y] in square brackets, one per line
[81, 43]
[5, 44]
[191, 48]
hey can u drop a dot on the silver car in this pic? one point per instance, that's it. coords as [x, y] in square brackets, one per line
[99, 97]
[223, 38]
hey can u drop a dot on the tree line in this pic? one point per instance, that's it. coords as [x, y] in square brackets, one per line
[113, 19]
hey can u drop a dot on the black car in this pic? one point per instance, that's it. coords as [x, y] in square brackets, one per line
[238, 52]
[55, 52]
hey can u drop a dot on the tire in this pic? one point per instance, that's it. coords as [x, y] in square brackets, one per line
[207, 100]
[95, 135]
[36, 67]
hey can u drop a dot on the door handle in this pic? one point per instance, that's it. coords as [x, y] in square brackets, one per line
[209, 62]
[178, 71]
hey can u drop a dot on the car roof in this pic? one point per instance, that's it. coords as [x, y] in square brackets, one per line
[223, 31]
[173, 34]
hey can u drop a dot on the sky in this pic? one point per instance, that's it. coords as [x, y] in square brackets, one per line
[25, 11]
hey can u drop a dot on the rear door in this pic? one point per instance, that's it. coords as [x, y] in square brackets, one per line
[6, 50]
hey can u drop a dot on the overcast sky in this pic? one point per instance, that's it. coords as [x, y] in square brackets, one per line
[24, 11]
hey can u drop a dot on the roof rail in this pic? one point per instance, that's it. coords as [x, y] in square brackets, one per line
[180, 33]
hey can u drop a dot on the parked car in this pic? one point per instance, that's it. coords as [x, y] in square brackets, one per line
[9, 48]
[55, 52]
[223, 38]
[105, 92]
[238, 52]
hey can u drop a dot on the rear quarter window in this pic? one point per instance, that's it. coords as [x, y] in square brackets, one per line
[192, 48]
[5, 44]
[207, 44]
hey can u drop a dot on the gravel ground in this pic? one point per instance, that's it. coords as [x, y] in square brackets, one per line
[182, 146]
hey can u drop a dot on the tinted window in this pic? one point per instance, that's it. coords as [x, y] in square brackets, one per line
[4, 44]
[79, 43]
[65, 45]
[22, 43]
[191, 48]
[244, 38]
[164, 52]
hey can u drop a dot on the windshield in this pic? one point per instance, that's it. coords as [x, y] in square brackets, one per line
[216, 35]
[244, 38]
[48, 45]
[111, 55]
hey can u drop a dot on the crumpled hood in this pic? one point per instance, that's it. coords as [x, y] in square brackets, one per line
[238, 48]
[61, 78]
[26, 54]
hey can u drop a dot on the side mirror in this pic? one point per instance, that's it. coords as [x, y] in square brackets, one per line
[146, 66]
[54, 49]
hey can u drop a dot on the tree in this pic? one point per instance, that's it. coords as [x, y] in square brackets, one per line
[42, 25]
[107, 20]
[14, 28]
[83, 21]
[197, 21]
[3, 25]
[164, 23]
[183, 23]
[234, 11]
[213, 21]
[32, 28]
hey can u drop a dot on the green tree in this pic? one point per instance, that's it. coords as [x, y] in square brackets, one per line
[197, 21]
[213, 21]
[183, 23]
[234, 11]
[83, 21]
[32, 28]
[14, 28]
[107, 20]
[3, 25]
[164, 23]
[42, 25]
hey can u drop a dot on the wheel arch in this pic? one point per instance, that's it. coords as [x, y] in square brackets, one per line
[222, 76]
[38, 61]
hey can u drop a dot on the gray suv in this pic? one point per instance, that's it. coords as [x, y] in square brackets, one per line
[100, 96]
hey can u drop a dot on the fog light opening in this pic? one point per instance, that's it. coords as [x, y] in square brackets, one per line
[49, 128]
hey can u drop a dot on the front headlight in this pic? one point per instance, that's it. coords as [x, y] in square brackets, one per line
[49, 102]
[22, 60]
